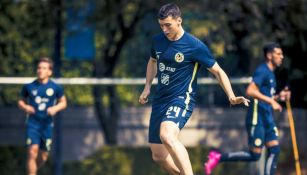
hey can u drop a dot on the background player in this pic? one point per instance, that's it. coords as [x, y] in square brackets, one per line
[260, 123]
[175, 58]
[41, 100]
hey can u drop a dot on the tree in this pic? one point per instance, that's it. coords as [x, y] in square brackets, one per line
[118, 21]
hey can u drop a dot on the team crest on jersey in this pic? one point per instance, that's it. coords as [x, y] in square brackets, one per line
[34, 92]
[49, 91]
[179, 57]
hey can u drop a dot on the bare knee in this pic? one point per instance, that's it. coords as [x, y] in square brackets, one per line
[168, 140]
[42, 158]
[33, 152]
[158, 158]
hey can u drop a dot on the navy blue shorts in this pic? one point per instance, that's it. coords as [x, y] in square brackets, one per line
[41, 136]
[174, 111]
[258, 135]
[260, 125]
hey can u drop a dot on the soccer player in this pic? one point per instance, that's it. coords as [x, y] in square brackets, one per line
[176, 57]
[41, 100]
[260, 124]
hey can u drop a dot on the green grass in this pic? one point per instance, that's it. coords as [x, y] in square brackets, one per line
[131, 161]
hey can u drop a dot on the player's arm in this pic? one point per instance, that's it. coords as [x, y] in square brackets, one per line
[61, 105]
[224, 82]
[151, 73]
[25, 107]
[253, 91]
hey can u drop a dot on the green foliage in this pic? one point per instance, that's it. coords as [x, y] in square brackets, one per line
[234, 30]
[12, 158]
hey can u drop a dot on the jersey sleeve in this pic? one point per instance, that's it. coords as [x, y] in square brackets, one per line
[24, 92]
[152, 51]
[60, 92]
[258, 77]
[204, 56]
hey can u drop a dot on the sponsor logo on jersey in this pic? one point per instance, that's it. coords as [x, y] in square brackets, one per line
[171, 69]
[164, 79]
[49, 91]
[161, 67]
[38, 99]
[42, 106]
[179, 57]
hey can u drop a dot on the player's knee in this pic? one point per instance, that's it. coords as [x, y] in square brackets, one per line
[44, 157]
[158, 158]
[32, 153]
[167, 139]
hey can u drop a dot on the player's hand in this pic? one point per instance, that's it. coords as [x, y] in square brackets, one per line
[51, 111]
[29, 109]
[285, 94]
[144, 96]
[239, 100]
[276, 106]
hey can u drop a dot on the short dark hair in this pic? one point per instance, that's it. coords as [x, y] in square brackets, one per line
[169, 9]
[47, 60]
[269, 48]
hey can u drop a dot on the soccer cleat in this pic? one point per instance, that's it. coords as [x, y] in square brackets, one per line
[213, 160]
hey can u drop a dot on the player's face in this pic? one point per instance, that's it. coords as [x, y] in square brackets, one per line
[43, 71]
[277, 57]
[170, 27]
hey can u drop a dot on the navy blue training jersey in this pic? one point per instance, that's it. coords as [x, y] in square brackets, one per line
[178, 63]
[41, 96]
[261, 112]
[265, 80]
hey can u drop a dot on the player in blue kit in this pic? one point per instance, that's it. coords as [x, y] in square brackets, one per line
[260, 124]
[41, 100]
[176, 57]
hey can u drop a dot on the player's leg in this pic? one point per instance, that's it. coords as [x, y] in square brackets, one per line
[162, 157]
[273, 147]
[32, 142]
[32, 154]
[42, 158]
[256, 135]
[256, 142]
[169, 136]
[159, 153]
[45, 146]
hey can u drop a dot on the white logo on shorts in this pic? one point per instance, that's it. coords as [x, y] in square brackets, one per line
[258, 142]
